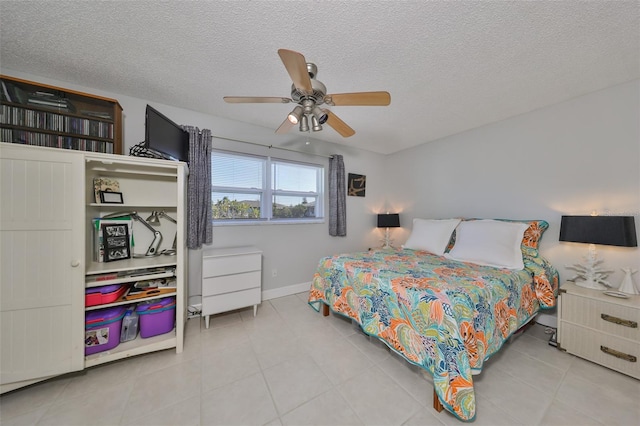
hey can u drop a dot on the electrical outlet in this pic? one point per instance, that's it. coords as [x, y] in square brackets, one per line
[274, 273]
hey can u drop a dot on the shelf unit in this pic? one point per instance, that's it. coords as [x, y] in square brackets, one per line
[147, 185]
[44, 115]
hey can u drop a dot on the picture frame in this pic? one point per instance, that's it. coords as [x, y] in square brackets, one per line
[111, 197]
[104, 184]
[356, 185]
[115, 239]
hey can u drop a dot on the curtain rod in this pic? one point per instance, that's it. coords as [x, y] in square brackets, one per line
[271, 146]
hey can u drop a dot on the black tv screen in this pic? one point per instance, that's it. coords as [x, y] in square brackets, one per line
[165, 136]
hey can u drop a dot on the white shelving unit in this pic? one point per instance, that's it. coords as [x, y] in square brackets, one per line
[147, 185]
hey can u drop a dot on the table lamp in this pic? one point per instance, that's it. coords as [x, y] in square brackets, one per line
[605, 230]
[154, 219]
[388, 220]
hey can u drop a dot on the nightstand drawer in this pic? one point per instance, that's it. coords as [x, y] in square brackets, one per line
[227, 265]
[616, 353]
[230, 283]
[611, 318]
[230, 301]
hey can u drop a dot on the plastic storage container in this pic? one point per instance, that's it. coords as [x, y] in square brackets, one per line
[129, 329]
[102, 329]
[105, 294]
[157, 316]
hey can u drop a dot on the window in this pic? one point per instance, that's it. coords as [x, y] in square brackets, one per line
[252, 188]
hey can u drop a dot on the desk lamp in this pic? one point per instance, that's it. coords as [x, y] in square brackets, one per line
[157, 236]
[389, 220]
[154, 219]
[606, 230]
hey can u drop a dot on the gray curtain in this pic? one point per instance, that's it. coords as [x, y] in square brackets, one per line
[199, 226]
[337, 197]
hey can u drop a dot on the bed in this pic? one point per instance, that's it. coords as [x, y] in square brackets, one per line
[438, 309]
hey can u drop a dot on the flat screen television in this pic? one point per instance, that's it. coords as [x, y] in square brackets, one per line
[165, 136]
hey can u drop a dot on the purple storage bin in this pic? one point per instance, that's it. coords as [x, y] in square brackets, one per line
[156, 316]
[102, 329]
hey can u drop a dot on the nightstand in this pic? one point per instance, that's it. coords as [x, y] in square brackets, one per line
[600, 328]
[231, 279]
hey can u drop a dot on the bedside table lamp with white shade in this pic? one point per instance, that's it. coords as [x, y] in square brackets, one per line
[605, 230]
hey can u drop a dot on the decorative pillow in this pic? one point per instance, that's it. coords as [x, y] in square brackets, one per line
[431, 234]
[489, 242]
[533, 235]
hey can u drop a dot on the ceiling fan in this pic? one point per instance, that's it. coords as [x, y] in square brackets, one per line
[310, 94]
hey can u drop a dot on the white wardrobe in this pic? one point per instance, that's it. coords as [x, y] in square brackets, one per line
[47, 204]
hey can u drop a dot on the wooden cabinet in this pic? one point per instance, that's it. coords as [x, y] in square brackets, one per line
[46, 211]
[600, 328]
[231, 279]
[43, 115]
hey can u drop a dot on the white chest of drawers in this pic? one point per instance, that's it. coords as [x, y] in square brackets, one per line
[600, 328]
[231, 279]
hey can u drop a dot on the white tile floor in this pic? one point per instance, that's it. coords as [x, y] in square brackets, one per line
[291, 366]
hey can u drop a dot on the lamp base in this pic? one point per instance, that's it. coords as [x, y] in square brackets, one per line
[386, 242]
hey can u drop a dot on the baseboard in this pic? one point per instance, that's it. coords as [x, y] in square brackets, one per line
[286, 291]
[196, 301]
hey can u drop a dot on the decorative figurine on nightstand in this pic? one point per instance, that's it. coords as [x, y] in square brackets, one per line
[590, 274]
[627, 285]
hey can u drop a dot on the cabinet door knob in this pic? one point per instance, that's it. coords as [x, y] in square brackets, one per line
[75, 263]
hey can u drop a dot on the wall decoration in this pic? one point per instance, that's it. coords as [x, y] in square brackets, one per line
[356, 185]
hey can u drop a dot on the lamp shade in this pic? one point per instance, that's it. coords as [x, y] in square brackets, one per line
[605, 230]
[389, 220]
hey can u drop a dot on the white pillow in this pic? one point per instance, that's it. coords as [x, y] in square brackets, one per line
[431, 234]
[489, 242]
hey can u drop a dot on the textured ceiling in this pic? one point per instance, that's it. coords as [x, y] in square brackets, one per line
[449, 66]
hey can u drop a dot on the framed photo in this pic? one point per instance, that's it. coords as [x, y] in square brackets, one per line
[356, 185]
[115, 238]
[105, 184]
[110, 197]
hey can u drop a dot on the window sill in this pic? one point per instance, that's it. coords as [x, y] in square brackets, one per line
[268, 222]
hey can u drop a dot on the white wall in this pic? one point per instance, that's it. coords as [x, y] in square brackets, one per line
[294, 250]
[571, 158]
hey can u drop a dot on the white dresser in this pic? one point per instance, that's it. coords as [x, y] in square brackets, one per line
[231, 279]
[600, 328]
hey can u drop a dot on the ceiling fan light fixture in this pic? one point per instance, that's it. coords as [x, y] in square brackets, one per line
[294, 116]
[304, 124]
[315, 124]
[320, 115]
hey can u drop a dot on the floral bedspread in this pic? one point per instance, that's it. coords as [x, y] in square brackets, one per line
[445, 316]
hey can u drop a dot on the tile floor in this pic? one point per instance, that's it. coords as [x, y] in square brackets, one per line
[291, 366]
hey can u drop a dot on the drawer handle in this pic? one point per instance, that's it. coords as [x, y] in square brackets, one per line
[620, 321]
[618, 354]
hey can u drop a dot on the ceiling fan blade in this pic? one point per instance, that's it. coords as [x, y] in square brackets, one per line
[339, 125]
[296, 66]
[284, 127]
[255, 100]
[359, 99]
